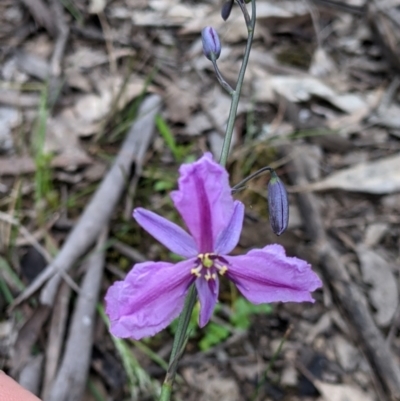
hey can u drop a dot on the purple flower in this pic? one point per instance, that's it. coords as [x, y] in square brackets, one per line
[153, 293]
[211, 43]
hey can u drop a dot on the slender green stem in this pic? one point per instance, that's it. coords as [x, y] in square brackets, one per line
[183, 323]
[246, 15]
[220, 78]
[240, 184]
[179, 343]
[236, 95]
[184, 319]
[166, 390]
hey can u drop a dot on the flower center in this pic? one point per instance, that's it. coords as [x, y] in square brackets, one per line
[207, 265]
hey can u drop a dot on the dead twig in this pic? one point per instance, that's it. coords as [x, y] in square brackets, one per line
[15, 98]
[128, 251]
[30, 239]
[340, 6]
[96, 35]
[350, 299]
[99, 210]
[27, 337]
[58, 325]
[70, 382]
[109, 43]
[41, 14]
[31, 375]
[58, 52]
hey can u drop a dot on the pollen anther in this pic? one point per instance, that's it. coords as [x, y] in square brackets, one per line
[212, 265]
[222, 270]
[196, 271]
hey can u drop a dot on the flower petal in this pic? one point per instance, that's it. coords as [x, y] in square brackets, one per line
[229, 237]
[204, 200]
[268, 275]
[169, 234]
[150, 297]
[207, 291]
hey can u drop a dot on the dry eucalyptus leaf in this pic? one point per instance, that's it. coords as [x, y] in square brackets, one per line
[168, 14]
[180, 101]
[212, 386]
[86, 116]
[301, 89]
[377, 177]
[341, 392]
[62, 140]
[322, 65]
[97, 6]
[388, 117]
[9, 119]
[229, 31]
[348, 356]
[198, 123]
[384, 293]
[374, 233]
[282, 9]
[233, 29]
[216, 142]
[85, 58]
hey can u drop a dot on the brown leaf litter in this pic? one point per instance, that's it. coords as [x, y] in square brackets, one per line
[322, 91]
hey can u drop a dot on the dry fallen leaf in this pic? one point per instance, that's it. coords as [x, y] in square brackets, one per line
[383, 291]
[347, 355]
[9, 119]
[301, 89]
[322, 65]
[387, 117]
[63, 141]
[212, 386]
[86, 116]
[233, 29]
[181, 101]
[97, 6]
[377, 177]
[341, 392]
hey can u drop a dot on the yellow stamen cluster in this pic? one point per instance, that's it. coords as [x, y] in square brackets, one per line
[211, 263]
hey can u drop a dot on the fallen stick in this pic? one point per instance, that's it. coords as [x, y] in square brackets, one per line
[98, 212]
[71, 378]
[351, 300]
[55, 81]
[55, 338]
[41, 14]
[31, 374]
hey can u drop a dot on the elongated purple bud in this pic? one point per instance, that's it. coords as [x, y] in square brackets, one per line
[211, 43]
[226, 9]
[278, 205]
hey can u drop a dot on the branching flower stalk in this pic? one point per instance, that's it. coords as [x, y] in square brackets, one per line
[154, 293]
[184, 319]
[236, 95]
[221, 79]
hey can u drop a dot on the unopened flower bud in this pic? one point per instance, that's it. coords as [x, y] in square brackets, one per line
[226, 9]
[211, 43]
[278, 205]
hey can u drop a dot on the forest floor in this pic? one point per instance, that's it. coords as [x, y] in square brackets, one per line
[92, 88]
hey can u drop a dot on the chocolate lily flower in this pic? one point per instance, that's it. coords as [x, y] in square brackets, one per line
[153, 293]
